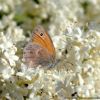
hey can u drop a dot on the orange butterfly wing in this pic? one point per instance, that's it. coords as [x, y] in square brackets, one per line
[40, 50]
[41, 37]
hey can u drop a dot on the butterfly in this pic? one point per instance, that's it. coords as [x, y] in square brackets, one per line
[40, 49]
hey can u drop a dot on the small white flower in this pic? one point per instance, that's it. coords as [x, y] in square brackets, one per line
[11, 58]
[7, 72]
[81, 80]
[15, 34]
[26, 72]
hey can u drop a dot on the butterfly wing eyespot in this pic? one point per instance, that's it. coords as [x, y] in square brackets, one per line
[41, 34]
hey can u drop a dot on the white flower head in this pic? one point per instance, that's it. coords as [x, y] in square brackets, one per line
[8, 50]
[7, 72]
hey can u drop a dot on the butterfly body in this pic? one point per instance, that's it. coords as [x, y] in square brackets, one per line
[40, 50]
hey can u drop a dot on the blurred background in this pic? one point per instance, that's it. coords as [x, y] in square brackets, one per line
[52, 14]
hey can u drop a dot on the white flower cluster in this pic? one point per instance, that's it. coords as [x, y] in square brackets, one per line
[83, 53]
[8, 60]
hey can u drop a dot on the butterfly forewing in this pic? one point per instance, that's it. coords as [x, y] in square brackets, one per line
[40, 50]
